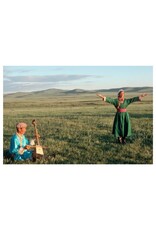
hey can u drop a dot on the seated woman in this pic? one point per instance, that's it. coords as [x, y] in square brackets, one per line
[19, 148]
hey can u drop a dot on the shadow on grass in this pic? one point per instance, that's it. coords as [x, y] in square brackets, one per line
[116, 153]
[7, 158]
[107, 139]
[135, 115]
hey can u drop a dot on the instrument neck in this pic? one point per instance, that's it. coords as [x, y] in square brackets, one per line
[37, 136]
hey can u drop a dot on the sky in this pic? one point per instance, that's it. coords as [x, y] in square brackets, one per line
[34, 78]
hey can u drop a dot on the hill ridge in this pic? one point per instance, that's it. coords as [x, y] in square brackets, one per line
[61, 92]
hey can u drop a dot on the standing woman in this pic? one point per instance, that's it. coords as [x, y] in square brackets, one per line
[121, 125]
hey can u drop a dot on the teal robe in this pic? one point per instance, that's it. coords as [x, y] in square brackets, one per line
[16, 144]
[122, 124]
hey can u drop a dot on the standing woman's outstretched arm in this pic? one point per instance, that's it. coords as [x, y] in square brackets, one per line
[107, 99]
[135, 99]
[101, 96]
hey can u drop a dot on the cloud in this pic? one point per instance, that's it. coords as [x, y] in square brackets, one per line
[33, 83]
[49, 78]
[6, 79]
[9, 70]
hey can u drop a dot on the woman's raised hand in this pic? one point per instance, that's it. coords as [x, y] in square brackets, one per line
[101, 96]
[142, 95]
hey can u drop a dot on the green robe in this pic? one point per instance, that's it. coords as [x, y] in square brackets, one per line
[122, 125]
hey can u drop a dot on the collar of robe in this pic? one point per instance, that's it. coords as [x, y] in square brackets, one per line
[20, 136]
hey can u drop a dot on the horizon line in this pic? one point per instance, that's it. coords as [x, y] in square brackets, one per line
[5, 93]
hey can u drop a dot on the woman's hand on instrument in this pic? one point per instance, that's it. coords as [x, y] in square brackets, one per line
[32, 142]
[27, 147]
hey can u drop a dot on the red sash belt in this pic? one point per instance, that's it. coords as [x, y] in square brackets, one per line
[121, 110]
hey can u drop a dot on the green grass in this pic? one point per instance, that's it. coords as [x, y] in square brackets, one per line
[78, 129]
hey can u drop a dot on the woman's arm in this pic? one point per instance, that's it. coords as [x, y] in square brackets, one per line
[101, 96]
[135, 99]
[107, 99]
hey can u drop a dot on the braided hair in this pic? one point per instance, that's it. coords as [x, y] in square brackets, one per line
[120, 97]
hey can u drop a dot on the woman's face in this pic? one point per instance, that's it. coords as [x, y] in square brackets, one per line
[21, 130]
[121, 94]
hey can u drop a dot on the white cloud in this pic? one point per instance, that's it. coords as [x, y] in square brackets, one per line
[31, 83]
[6, 79]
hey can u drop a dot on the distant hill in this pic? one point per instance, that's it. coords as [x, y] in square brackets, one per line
[58, 92]
[129, 89]
[75, 91]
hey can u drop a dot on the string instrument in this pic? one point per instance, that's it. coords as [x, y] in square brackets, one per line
[38, 148]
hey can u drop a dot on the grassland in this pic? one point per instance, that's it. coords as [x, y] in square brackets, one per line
[77, 129]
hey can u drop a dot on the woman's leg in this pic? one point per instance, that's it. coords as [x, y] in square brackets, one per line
[27, 155]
